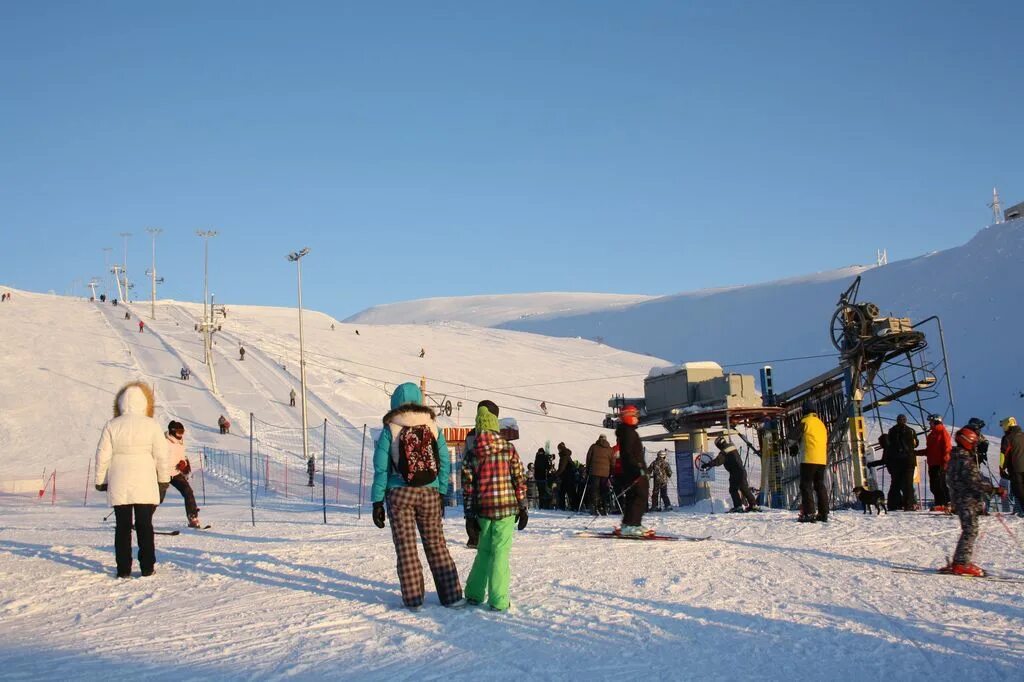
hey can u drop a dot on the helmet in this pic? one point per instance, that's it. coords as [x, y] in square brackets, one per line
[1008, 423]
[721, 442]
[630, 415]
[935, 418]
[967, 438]
[976, 423]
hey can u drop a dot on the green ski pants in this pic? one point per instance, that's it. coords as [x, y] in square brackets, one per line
[490, 574]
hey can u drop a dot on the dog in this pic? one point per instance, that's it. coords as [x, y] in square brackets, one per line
[871, 497]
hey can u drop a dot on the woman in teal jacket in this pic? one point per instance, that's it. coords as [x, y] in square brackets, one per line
[415, 511]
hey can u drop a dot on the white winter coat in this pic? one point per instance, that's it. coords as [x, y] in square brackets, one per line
[175, 454]
[132, 452]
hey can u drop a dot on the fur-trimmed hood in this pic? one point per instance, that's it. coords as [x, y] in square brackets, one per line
[134, 398]
[410, 415]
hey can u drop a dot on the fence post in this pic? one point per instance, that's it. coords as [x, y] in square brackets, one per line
[202, 473]
[362, 469]
[252, 493]
[323, 472]
[88, 471]
[53, 493]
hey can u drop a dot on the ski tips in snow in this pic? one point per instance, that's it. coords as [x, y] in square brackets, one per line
[615, 536]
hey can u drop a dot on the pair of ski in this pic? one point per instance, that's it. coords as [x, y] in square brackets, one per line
[178, 532]
[997, 578]
[654, 537]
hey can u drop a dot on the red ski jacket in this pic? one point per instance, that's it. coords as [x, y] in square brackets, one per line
[938, 445]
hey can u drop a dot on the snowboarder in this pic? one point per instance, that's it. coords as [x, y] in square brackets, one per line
[903, 453]
[291, 398]
[810, 437]
[310, 470]
[411, 465]
[634, 473]
[938, 445]
[472, 527]
[564, 474]
[967, 488]
[542, 472]
[661, 472]
[241, 353]
[179, 471]
[494, 490]
[224, 424]
[131, 467]
[600, 458]
[739, 488]
[1011, 467]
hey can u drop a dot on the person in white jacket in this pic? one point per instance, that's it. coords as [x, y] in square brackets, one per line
[131, 466]
[178, 471]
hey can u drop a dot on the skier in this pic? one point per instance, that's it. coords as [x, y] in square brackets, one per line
[739, 488]
[600, 457]
[564, 476]
[423, 352]
[903, 452]
[544, 407]
[131, 467]
[967, 488]
[224, 424]
[241, 353]
[494, 490]
[332, 326]
[811, 438]
[311, 470]
[472, 527]
[938, 445]
[542, 471]
[660, 473]
[291, 398]
[411, 465]
[634, 473]
[1012, 464]
[179, 470]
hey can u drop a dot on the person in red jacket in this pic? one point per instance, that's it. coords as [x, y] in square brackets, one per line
[938, 445]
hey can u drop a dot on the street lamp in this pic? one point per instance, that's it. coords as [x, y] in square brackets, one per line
[207, 319]
[296, 257]
[153, 231]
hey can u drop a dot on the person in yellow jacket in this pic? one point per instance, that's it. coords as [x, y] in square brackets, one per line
[811, 437]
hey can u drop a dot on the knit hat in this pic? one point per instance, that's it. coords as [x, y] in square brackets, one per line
[486, 421]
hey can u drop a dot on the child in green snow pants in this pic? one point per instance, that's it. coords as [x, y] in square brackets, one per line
[489, 577]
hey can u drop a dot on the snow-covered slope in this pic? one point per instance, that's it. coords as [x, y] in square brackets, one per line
[488, 311]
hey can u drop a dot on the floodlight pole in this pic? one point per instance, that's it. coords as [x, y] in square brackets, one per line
[153, 231]
[296, 257]
[106, 264]
[207, 325]
[124, 263]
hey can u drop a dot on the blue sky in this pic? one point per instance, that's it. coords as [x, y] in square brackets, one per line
[442, 148]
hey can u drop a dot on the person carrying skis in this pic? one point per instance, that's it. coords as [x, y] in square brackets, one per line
[967, 489]
[739, 488]
[903, 453]
[634, 473]
[411, 465]
[179, 470]
[291, 398]
[494, 490]
[1011, 465]
[131, 467]
[600, 458]
[938, 445]
[810, 437]
[472, 527]
[661, 472]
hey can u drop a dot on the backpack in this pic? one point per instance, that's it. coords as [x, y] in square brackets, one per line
[417, 459]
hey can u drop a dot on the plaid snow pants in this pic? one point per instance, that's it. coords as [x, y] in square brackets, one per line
[409, 510]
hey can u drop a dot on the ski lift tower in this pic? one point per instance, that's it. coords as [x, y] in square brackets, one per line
[93, 283]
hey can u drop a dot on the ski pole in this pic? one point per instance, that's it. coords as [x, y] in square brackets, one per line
[583, 496]
[108, 515]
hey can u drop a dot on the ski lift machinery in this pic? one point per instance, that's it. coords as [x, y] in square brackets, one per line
[883, 361]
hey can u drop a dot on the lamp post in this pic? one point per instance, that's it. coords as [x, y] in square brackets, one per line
[124, 263]
[153, 231]
[207, 326]
[296, 257]
[106, 264]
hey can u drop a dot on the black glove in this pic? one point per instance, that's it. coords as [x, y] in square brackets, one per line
[522, 517]
[163, 491]
[102, 487]
[442, 503]
[378, 514]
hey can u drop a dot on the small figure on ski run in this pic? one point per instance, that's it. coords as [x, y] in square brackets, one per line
[103, 298]
[224, 424]
[967, 488]
[411, 466]
[310, 470]
[600, 458]
[291, 398]
[472, 527]
[127, 315]
[131, 467]
[241, 353]
[544, 408]
[357, 332]
[179, 471]
[542, 472]
[903, 454]
[494, 490]
[332, 326]
[1011, 464]
[739, 488]
[634, 473]
[938, 445]
[565, 475]
[661, 472]
[142, 326]
[114, 302]
[185, 374]
[810, 437]
[423, 352]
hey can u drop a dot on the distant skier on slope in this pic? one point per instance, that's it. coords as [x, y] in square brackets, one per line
[142, 326]
[291, 398]
[739, 488]
[179, 470]
[241, 353]
[224, 424]
[634, 473]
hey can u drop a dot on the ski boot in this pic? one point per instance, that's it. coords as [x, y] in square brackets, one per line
[193, 522]
[736, 510]
[822, 518]
[941, 508]
[968, 569]
[753, 508]
[807, 518]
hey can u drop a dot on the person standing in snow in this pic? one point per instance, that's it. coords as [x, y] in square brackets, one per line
[661, 472]
[600, 458]
[634, 473]
[564, 475]
[142, 326]
[532, 497]
[1011, 449]
[811, 438]
[241, 353]
[411, 465]
[967, 491]
[542, 472]
[179, 470]
[494, 489]
[291, 398]
[938, 445]
[131, 467]
[310, 470]
[739, 488]
[224, 424]
[903, 453]
[472, 527]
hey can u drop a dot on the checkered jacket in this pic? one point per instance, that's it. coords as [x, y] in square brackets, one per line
[493, 483]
